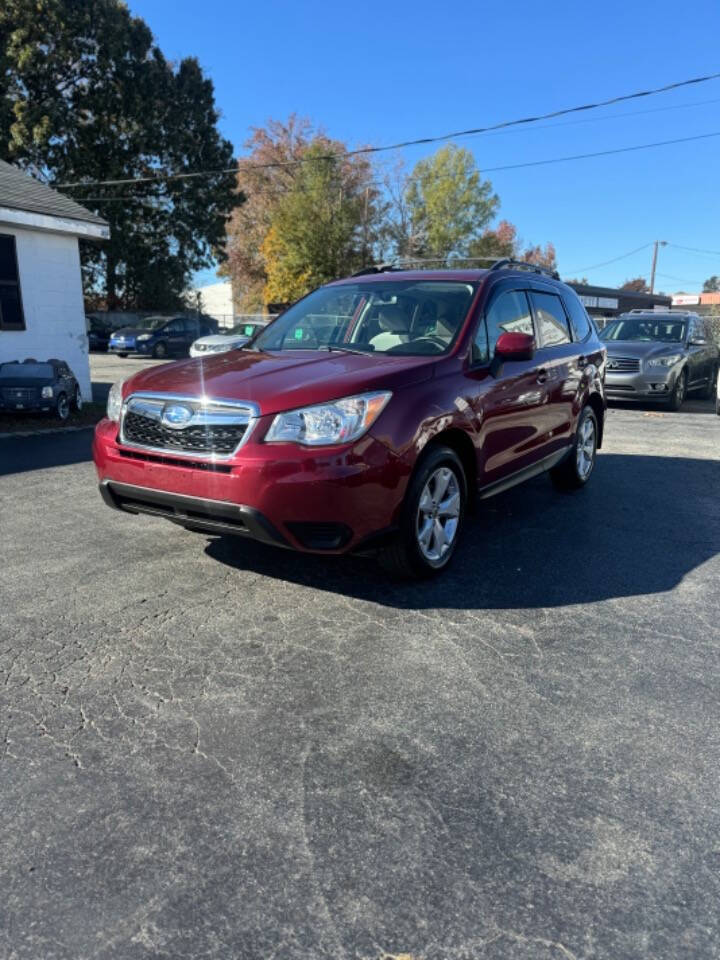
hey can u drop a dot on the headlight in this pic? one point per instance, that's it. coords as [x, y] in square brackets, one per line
[328, 423]
[665, 361]
[46, 393]
[114, 401]
[145, 336]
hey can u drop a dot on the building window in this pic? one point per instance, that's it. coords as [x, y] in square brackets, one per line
[11, 309]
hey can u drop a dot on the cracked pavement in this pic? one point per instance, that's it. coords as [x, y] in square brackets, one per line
[214, 749]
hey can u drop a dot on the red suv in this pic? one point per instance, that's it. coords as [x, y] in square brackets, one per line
[367, 416]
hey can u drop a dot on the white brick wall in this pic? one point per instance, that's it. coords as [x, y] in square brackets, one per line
[51, 288]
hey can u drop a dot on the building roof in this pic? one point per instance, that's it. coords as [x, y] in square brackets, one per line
[20, 191]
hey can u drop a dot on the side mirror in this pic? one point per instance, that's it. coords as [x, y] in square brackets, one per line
[515, 346]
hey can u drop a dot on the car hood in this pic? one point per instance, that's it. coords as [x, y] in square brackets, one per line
[640, 349]
[130, 332]
[283, 380]
[222, 339]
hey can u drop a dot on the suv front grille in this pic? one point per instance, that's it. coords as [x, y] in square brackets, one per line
[211, 429]
[201, 439]
[623, 364]
[19, 394]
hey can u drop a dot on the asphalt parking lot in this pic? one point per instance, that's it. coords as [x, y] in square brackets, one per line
[213, 749]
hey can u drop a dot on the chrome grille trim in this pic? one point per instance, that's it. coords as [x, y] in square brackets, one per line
[622, 364]
[207, 411]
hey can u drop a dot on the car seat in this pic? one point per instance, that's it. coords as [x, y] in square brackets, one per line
[394, 328]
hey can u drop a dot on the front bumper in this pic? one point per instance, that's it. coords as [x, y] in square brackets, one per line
[316, 500]
[655, 384]
[121, 347]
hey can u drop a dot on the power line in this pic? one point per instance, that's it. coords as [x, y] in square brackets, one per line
[605, 263]
[407, 143]
[710, 253]
[670, 276]
[600, 153]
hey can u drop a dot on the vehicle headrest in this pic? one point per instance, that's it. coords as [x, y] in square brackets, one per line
[392, 319]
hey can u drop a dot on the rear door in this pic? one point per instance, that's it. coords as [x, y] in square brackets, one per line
[698, 354]
[506, 405]
[560, 364]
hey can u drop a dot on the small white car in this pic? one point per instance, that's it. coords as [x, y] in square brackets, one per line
[232, 339]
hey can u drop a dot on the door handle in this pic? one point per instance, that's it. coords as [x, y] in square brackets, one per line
[542, 376]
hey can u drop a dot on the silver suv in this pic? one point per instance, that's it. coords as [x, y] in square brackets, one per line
[653, 356]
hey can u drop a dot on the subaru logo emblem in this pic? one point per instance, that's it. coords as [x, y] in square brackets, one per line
[612, 364]
[176, 415]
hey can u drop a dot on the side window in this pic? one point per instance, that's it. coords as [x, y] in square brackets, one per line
[508, 313]
[191, 326]
[551, 319]
[174, 326]
[578, 317]
[11, 310]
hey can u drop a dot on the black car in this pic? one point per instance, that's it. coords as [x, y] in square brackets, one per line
[47, 386]
[160, 337]
[98, 334]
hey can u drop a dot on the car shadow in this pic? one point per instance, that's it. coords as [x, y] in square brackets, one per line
[42, 451]
[641, 525]
[691, 405]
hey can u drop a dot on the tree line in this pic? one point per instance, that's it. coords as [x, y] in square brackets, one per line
[87, 96]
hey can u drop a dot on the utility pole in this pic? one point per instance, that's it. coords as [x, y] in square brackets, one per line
[661, 243]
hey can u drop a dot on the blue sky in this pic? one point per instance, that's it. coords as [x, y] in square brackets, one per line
[381, 72]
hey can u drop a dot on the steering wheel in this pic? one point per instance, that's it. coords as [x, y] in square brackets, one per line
[435, 340]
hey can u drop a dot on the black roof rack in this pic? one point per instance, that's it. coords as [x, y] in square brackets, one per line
[509, 264]
[376, 268]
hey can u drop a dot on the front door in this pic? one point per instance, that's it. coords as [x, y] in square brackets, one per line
[506, 401]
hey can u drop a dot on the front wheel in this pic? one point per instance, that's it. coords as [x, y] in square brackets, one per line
[159, 351]
[575, 470]
[121, 355]
[709, 390]
[78, 401]
[431, 518]
[62, 407]
[679, 391]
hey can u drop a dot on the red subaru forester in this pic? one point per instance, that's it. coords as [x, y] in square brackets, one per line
[367, 416]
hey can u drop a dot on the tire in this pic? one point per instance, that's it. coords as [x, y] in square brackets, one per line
[77, 400]
[429, 528]
[577, 467]
[679, 392]
[160, 351]
[708, 391]
[123, 355]
[62, 407]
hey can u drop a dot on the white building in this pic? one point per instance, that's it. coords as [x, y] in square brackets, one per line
[215, 300]
[41, 300]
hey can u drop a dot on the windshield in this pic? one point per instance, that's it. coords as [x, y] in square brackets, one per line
[415, 318]
[27, 371]
[244, 329]
[151, 323]
[665, 329]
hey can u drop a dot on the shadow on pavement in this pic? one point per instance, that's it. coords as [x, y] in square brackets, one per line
[692, 405]
[45, 450]
[633, 531]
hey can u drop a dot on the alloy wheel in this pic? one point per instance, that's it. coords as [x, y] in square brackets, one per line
[438, 514]
[585, 449]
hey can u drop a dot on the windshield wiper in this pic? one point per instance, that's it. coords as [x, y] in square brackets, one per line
[333, 348]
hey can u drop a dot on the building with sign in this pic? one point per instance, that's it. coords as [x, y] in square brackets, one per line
[604, 303]
[41, 298]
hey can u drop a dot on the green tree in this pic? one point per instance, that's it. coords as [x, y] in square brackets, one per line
[306, 219]
[89, 97]
[712, 284]
[449, 203]
[318, 226]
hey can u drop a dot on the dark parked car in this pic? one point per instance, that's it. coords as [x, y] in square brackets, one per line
[160, 337]
[98, 334]
[47, 386]
[367, 416]
[655, 356]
